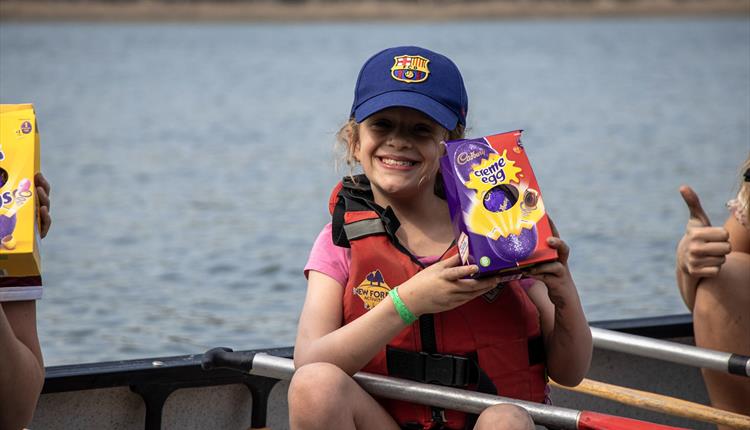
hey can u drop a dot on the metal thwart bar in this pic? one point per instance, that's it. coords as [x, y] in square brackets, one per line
[671, 351]
[444, 397]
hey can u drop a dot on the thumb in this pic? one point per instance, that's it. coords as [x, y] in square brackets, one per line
[563, 250]
[694, 205]
[555, 233]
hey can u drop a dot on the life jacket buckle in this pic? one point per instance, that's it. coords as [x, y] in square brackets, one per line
[444, 369]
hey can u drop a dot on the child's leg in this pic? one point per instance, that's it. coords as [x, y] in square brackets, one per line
[721, 321]
[504, 417]
[322, 396]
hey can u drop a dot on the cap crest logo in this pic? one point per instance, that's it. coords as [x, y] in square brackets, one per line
[410, 68]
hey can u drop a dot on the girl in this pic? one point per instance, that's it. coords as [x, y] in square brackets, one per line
[713, 274]
[388, 259]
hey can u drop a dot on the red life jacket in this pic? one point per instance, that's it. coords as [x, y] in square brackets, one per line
[495, 337]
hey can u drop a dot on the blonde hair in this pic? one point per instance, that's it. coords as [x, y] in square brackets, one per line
[348, 136]
[743, 196]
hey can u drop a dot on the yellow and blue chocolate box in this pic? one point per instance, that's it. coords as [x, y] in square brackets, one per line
[20, 263]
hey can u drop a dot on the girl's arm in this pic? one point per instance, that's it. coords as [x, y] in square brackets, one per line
[567, 337]
[322, 338]
[21, 365]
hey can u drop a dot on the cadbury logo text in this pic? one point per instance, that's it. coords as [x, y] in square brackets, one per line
[465, 157]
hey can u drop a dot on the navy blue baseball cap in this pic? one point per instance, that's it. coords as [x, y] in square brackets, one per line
[413, 77]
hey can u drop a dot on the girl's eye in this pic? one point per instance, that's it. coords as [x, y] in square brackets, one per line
[423, 130]
[381, 124]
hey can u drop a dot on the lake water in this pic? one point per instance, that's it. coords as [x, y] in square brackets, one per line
[191, 163]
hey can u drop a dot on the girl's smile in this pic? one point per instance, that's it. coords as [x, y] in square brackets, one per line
[396, 162]
[399, 149]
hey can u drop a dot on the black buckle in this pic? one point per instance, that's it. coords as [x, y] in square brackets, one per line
[444, 369]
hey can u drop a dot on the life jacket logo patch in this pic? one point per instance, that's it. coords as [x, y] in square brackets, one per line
[372, 289]
[410, 69]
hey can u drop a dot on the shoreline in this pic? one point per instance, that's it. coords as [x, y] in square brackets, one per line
[422, 10]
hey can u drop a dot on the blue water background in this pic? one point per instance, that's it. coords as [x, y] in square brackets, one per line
[191, 163]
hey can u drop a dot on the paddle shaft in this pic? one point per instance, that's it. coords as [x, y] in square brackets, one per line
[671, 351]
[444, 397]
[457, 399]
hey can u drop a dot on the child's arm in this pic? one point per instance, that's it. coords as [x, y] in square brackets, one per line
[322, 338]
[21, 365]
[567, 337]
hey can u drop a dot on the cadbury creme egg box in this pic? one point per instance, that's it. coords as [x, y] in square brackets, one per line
[495, 204]
[20, 265]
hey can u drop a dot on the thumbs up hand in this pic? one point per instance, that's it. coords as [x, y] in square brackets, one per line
[703, 249]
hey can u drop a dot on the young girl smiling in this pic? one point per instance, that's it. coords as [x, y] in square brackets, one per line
[387, 292]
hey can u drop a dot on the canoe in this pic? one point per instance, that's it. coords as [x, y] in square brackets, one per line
[176, 393]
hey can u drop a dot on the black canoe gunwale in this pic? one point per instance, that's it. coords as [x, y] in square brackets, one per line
[186, 369]
[154, 379]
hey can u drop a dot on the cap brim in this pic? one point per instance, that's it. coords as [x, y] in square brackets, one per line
[435, 110]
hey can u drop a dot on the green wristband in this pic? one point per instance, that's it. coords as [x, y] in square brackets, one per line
[403, 311]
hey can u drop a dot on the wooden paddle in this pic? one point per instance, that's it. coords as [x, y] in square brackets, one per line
[659, 403]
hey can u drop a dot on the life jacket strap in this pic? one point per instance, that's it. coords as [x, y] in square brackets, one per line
[444, 369]
[364, 228]
[537, 353]
[355, 195]
[447, 369]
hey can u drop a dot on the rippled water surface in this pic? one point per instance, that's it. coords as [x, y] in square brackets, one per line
[191, 164]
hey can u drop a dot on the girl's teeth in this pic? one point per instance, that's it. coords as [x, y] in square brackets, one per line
[397, 162]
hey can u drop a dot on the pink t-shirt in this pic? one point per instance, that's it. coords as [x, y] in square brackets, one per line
[334, 261]
[329, 259]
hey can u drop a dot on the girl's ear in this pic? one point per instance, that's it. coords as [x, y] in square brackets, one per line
[443, 148]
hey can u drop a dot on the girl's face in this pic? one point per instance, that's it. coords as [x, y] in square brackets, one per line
[399, 150]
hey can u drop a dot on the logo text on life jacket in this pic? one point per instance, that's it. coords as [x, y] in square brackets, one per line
[372, 289]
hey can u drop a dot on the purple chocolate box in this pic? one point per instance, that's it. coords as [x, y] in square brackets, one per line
[495, 204]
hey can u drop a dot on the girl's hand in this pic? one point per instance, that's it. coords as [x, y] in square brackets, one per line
[556, 275]
[703, 249]
[442, 287]
[43, 190]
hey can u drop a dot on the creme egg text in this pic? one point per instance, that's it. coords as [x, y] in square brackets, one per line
[493, 174]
